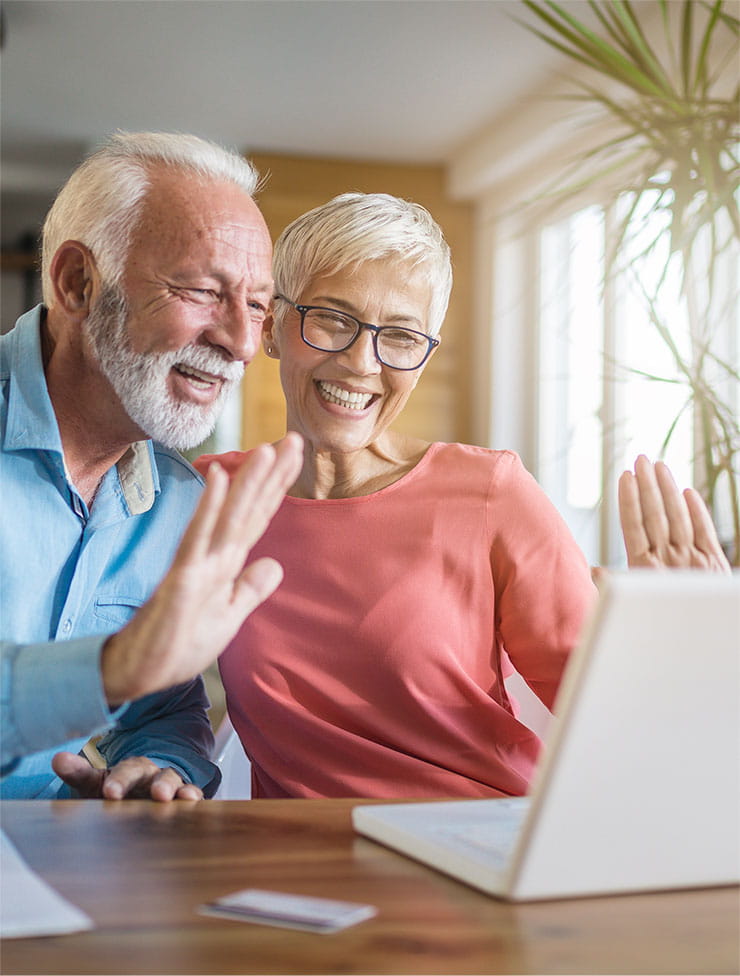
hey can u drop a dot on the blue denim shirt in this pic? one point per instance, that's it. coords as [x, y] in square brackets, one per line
[69, 577]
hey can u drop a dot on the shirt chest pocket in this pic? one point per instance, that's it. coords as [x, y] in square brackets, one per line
[116, 610]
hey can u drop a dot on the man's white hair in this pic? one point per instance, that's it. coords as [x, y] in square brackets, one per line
[100, 204]
[357, 227]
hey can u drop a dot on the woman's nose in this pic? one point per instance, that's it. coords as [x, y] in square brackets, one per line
[360, 357]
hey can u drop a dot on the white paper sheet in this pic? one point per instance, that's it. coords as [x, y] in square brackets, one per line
[28, 905]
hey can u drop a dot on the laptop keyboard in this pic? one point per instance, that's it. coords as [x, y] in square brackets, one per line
[494, 838]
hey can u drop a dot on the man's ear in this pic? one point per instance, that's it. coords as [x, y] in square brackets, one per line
[268, 340]
[74, 275]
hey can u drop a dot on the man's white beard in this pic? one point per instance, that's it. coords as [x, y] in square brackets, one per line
[140, 380]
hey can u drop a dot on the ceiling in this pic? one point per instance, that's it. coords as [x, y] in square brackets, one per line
[386, 80]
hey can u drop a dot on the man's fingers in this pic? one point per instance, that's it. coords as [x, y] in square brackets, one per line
[249, 495]
[256, 493]
[204, 598]
[255, 583]
[187, 792]
[234, 517]
[77, 772]
[197, 537]
[167, 785]
[136, 777]
[130, 778]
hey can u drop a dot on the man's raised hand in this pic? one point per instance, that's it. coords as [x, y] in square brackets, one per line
[208, 591]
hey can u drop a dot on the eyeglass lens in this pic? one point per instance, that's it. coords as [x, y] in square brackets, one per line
[332, 331]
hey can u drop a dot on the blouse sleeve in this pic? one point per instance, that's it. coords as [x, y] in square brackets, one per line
[542, 580]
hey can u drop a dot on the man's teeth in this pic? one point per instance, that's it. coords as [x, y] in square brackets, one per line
[335, 394]
[203, 380]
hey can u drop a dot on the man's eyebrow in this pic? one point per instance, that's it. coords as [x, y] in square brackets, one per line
[216, 274]
[264, 287]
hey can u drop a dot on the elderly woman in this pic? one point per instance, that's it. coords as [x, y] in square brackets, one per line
[416, 575]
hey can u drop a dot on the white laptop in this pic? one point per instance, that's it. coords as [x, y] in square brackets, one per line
[639, 784]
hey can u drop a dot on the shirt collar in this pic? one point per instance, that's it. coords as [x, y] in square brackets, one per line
[32, 423]
[137, 472]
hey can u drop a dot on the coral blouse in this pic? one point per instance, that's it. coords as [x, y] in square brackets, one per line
[377, 668]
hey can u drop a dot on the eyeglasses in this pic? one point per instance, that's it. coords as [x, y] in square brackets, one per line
[329, 330]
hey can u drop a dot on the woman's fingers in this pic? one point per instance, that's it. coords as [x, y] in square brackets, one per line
[636, 541]
[662, 526]
[705, 534]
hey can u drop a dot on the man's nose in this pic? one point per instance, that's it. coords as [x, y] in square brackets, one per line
[360, 357]
[237, 331]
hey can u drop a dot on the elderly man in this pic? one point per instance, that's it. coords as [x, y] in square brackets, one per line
[156, 270]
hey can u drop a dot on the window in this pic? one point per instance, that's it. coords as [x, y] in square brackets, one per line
[571, 375]
[608, 385]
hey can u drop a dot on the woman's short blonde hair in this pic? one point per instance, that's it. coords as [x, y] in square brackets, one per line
[357, 227]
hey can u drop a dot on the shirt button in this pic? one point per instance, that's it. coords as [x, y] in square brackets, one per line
[67, 626]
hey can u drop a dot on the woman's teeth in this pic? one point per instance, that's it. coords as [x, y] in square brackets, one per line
[335, 394]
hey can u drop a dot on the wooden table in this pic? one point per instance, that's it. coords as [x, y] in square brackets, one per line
[139, 869]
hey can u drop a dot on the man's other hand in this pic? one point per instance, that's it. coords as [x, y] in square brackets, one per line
[136, 778]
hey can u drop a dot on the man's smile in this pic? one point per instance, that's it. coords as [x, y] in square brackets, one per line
[199, 379]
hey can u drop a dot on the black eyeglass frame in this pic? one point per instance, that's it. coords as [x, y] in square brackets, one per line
[375, 330]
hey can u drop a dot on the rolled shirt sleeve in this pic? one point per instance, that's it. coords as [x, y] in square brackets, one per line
[42, 706]
[172, 729]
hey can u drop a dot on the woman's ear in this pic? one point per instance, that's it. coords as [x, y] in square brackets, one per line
[419, 372]
[268, 339]
[73, 274]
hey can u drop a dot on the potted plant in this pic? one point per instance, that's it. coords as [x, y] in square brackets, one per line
[663, 77]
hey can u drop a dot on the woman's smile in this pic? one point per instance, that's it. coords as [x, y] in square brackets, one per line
[349, 399]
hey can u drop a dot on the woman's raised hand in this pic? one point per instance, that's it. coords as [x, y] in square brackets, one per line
[664, 527]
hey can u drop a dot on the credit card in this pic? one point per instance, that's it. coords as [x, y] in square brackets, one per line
[288, 911]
